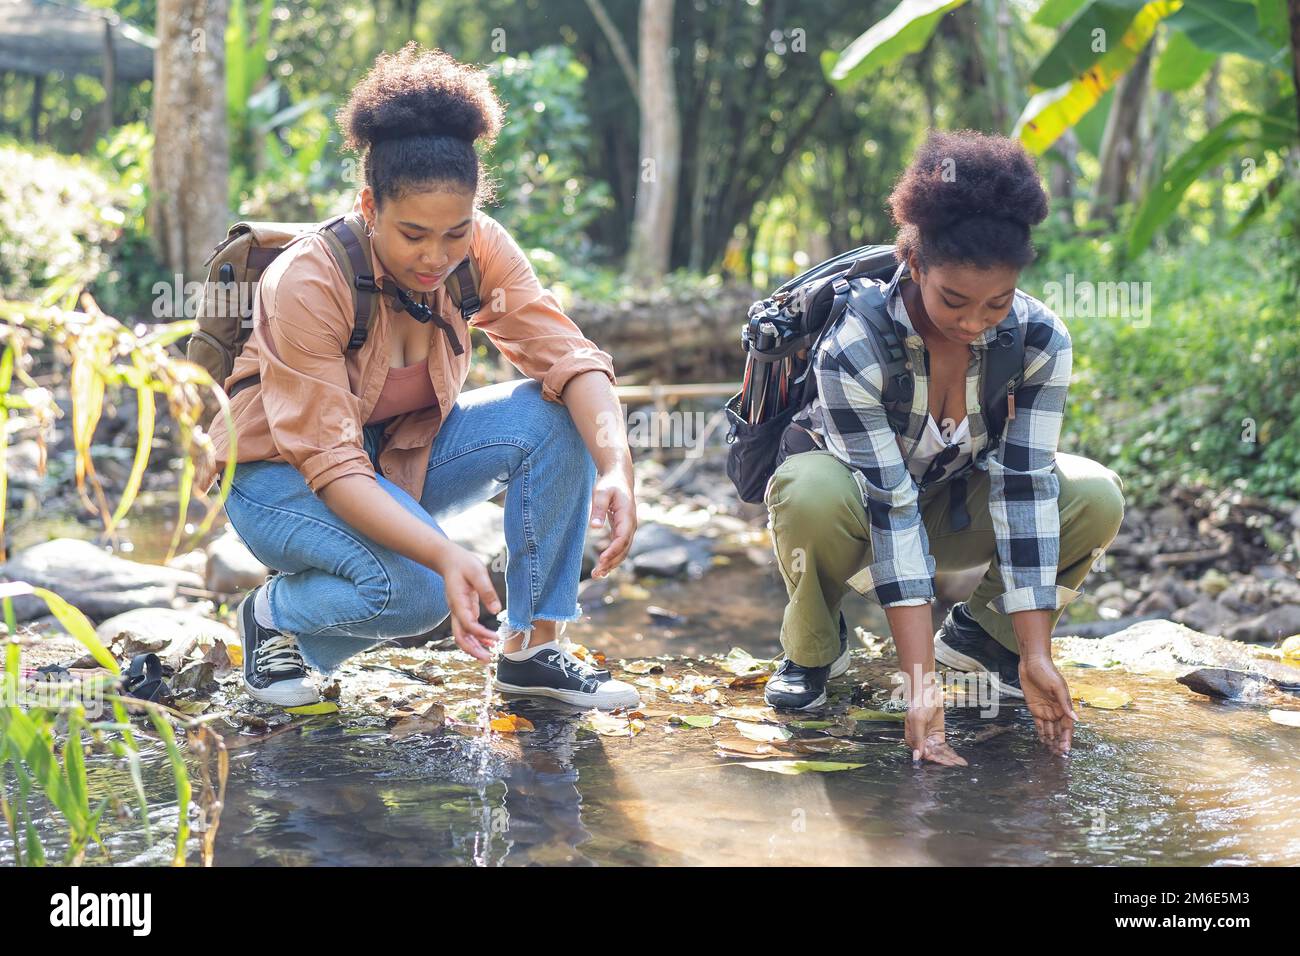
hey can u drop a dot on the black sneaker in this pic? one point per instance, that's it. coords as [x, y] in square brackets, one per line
[274, 671]
[963, 645]
[553, 672]
[795, 687]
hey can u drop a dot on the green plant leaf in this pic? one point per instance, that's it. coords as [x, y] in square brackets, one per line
[1181, 63]
[905, 30]
[1224, 26]
[1050, 112]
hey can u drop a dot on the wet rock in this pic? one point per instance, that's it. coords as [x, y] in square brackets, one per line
[1158, 604]
[1214, 582]
[196, 562]
[196, 675]
[100, 584]
[652, 536]
[1168, 518]
[1245, 597]
[170, 634]
[1172, 650]
[664, 617]
[1225, 684]
[22, 466]
[1268, 627]
[663, 562]
[231, 567]
[1206, 615]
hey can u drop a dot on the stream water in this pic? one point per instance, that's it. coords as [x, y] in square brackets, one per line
[1172, 779]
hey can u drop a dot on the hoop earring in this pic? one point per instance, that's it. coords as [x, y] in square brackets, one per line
[370, 229]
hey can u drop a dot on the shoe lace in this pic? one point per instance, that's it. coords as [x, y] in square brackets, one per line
[581, 669]
[280, 655]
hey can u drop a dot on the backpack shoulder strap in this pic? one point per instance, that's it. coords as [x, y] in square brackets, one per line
[351, 247]
[1003, 371]
[462, 286]
[871, 302]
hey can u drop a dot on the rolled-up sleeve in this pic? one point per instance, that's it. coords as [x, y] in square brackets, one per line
[1023, 487]
[858, 432]
[310, 409]
[525, 321]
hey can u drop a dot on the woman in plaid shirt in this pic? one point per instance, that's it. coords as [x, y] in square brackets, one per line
[860, 504]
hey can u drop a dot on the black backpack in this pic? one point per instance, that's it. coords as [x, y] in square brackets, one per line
[782, 335]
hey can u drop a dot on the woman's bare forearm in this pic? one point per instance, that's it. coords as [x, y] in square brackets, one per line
[911, 627]
[365, 506]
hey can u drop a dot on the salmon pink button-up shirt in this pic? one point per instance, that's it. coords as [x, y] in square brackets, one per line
[315, 394]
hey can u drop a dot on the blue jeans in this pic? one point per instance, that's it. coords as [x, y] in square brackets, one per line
[342, 593]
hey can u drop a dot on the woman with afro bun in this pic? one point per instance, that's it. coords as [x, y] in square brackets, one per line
[351, 459]
[855, 503]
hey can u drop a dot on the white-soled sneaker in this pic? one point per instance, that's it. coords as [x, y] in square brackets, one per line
[274, 671]
[551, 671]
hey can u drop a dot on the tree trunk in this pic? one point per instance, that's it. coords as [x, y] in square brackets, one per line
[1119, 144]
[660, 160]
[189, 211]
[1293, 12]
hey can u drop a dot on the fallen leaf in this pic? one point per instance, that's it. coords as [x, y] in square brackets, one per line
[427, 721]
[741, 663]
[323, 707]
[512, 724]
[191, 708]
[1103, 698]
[810, 724]
[698, 721]
[236, 654]
[819, 745]
[752, 714]
[643, 667]
[1287, 718]
[865, 713]
[749, 680]
[767, 733]
[1291, 647]
[744, 747]
[647, 714]
[608, 725]
[633, 592]
[794, 767]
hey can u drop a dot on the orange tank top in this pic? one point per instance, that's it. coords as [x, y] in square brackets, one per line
[405, 390]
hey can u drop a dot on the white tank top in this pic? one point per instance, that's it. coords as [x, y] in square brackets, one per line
[932, 443]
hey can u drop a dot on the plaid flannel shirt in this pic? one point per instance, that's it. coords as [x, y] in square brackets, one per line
[851, 423]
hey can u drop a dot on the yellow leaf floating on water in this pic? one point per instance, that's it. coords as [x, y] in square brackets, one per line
[1287, 718]
[794, 767]
[323, 707]
[512, 724]
[1103, 698]
[1291, 647]
[766, 733]
[607, 725]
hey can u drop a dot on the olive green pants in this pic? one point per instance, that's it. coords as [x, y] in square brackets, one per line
[822, 538]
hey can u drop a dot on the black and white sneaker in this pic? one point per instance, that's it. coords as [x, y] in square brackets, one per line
[963, 645]
[795, 687]
[274, 671]
[551, 671]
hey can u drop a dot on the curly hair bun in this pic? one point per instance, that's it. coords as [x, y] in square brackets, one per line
[417, 92]
[968, 196]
